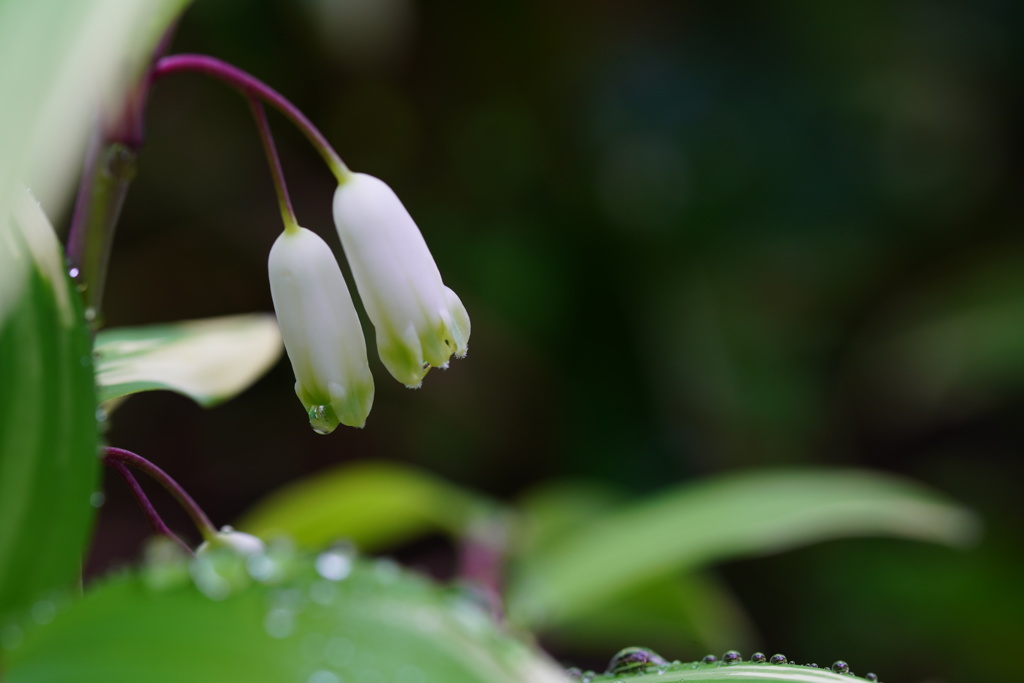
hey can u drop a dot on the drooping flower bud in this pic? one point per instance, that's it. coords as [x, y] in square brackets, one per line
[419, 321]
[321, 331]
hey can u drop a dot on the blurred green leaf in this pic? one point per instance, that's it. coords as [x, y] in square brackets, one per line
[48, 436]
[207, 360]
[731, 516]
[377, 623]
[692, 614]
[947, 346]
[374, 505]
[663, 613]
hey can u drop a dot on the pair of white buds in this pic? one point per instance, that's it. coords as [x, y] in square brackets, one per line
[419, 322]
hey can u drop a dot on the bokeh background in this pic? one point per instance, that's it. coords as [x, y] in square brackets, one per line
[693, 237]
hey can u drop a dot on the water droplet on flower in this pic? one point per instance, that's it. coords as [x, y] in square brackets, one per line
[871, 676]
[731, 657]
[43, 612]
[840, 667]
[574, 672]
[73, 272]
[279, 622]
[97, 499]
[709, 659]
[335, 564]
[323, 419]
[758, 658]
[587, 676]
[778, 659]
[323, 676]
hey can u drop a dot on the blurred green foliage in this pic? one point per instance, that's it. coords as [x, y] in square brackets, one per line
[693, 237]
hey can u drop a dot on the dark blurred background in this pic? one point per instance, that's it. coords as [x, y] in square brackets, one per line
[692, 237]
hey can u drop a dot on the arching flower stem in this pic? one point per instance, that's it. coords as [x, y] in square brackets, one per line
[284, 202]
[253, 87]
[156, 523]
[119, 455]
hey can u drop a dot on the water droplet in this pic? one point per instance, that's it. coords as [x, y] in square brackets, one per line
[323, 676]
[778, 659]
[574, 672]
[97, 499]
[634, 660]
[101, 415]
[731, 657]
[279, 623]
[709, 659]
[871, 676]
[339, 652]
[10, 637]
[90, 314]
[334, 564]
[813, 665]
[840, 667]
[587, 676]
[323, 419]
[43, 612]
[758, 658]
[73, 272]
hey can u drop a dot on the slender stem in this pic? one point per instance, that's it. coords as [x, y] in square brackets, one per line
[253, 87]
[108, 171]
[199, 517]
[155, 522]
[283, 200]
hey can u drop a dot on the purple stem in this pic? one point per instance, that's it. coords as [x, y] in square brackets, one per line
[155, 522]
[283, 200]
[199, 517]
[253, 87]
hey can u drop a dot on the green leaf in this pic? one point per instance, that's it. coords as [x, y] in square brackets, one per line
[370, 622]
[734, 673]
[664, 612]
[48, 436]
[207, 360]
[374, 505]
[731, 516]
[694, 612]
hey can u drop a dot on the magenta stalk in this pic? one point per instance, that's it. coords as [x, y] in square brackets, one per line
[199, 518]
[252, 86]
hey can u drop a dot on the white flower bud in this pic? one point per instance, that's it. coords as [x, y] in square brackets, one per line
[237, 541]
[321, 331]
[418, 321]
